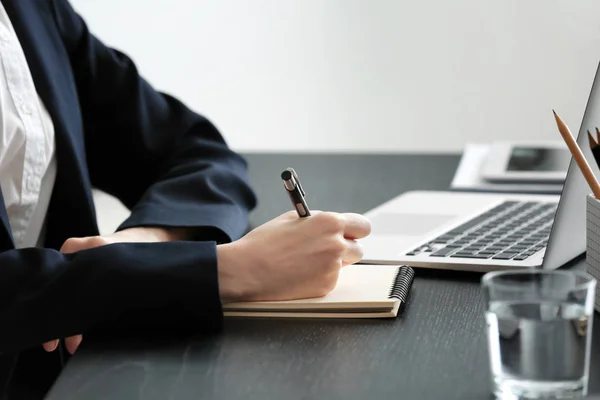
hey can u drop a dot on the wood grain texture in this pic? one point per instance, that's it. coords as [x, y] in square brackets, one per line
[436, 350]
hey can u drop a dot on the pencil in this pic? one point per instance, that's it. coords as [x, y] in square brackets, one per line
[578, 155]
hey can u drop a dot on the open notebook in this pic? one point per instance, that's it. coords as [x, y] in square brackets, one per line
[362, 291]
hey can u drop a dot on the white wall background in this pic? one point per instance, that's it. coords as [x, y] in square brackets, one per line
[366, 75]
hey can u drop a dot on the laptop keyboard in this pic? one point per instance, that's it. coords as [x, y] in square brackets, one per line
[513, 230]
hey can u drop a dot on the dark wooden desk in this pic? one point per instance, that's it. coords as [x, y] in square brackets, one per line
[437, 350]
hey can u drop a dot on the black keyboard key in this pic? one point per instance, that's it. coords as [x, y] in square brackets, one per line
[473, 249]
[521, 257]
[531, 204]
[438, 241]
[496, 248]
[443, 252]
[519, 248]
[461, 243]
[505, 256]
[470, 224]
[487, 253]
[484, 230]
[463, 253]
[459, 255]
[519, 208]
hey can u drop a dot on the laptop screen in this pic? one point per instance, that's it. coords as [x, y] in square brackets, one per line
[568, 235]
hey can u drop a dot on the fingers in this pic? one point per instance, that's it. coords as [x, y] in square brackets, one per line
[353, 254]
[51, 345]
[356, 226]
[353, 226]
[73, 343]
[74, 244]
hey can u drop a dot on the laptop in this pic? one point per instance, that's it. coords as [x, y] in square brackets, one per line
[487, 231]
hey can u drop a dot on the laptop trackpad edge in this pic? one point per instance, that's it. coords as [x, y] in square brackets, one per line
[404, 224]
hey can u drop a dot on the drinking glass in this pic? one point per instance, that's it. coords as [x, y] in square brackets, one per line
[539, 325]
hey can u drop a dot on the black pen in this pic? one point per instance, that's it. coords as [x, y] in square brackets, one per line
[292, 185]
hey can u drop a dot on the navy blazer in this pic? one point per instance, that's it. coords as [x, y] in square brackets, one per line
[169, 165]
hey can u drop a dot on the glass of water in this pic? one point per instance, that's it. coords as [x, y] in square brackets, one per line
[539, 325]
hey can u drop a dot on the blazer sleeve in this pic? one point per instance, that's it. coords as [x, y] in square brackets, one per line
[45, 294]
[169, 165]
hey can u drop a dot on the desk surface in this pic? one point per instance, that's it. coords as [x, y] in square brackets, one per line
[437, 350]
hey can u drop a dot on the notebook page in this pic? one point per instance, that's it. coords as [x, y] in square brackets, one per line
[362, 286]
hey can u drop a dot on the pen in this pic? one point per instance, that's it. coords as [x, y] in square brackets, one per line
[292, 185]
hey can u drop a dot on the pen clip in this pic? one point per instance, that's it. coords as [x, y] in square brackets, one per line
[297, 180]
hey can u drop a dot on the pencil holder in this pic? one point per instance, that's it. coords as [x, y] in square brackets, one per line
[593, 241]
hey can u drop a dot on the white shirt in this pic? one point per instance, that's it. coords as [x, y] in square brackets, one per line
[27, 154]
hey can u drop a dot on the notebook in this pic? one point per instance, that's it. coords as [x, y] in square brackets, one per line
[362, 291]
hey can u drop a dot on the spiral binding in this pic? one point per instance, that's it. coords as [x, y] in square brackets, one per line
[402, 284]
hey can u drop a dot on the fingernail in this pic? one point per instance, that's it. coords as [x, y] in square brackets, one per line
[50, 346]
[73, 343]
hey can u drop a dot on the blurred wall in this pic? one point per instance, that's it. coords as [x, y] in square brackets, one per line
[363, 75]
